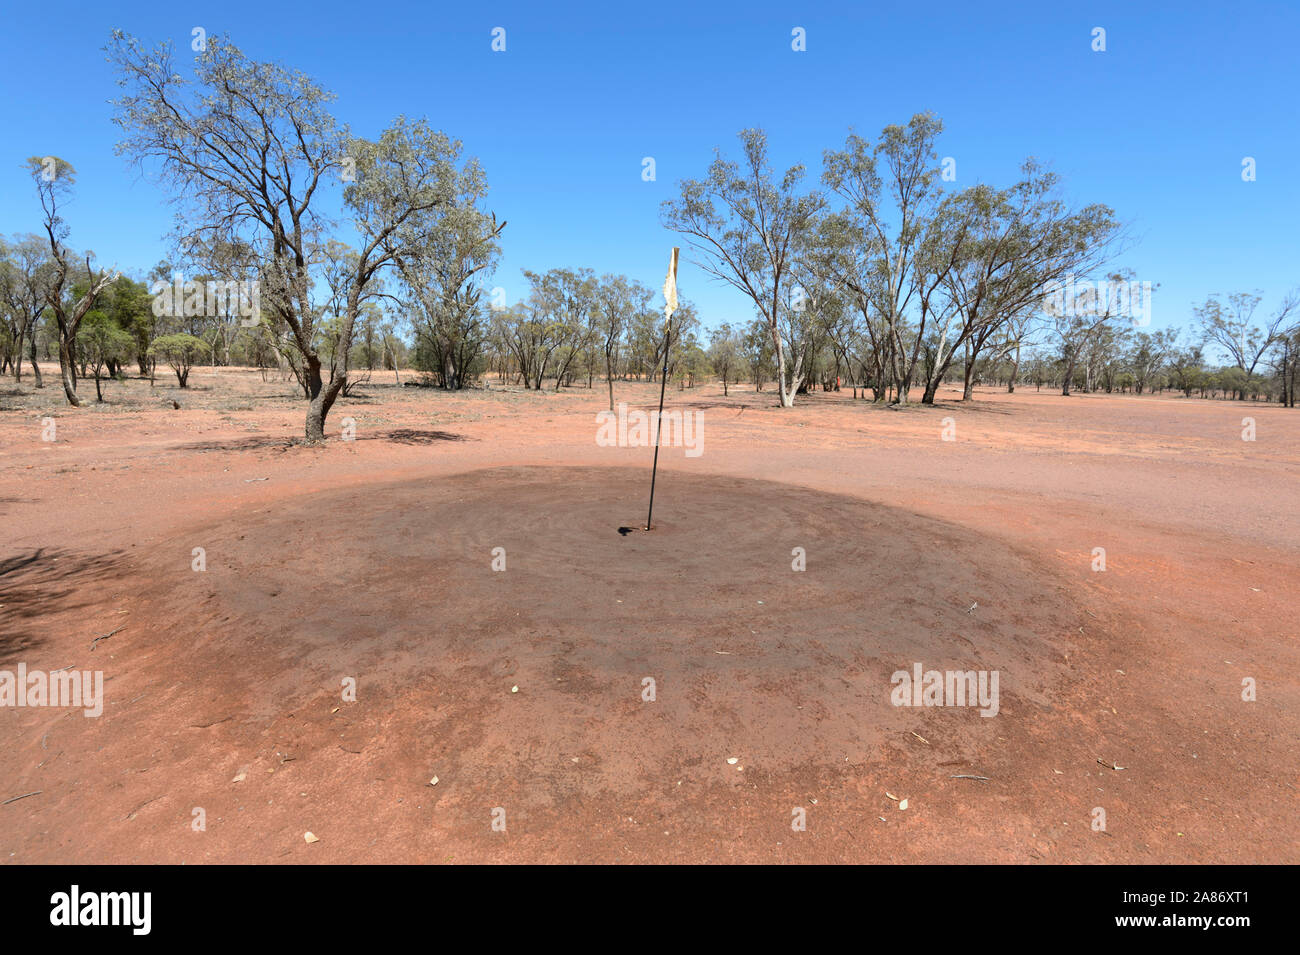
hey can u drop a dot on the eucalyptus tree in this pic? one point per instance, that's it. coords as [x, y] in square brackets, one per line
[182, 351]
[744, 226]
[128, 304]
[845, 339]
[234, 264]
[690, 363]
[1024, 240]
[104, 344]
[1231, 326]
[895, 237]
[725, 353]
[756, 349]
[54, 179]
[812, 303]
[549, 322]
[680, 340]
[520, 340]
[1079, 321]
[368, 326]
[1286, 363]
[562, 303]
[248, 149]
[618, 300]
[1101, 357]
[839, 329]
[443, 278]
[1147, 355]
[1018, 334]
[391, 349]
[338, 317]
[644, 340]
[26, 268]
[808, 312]
[1186, 368]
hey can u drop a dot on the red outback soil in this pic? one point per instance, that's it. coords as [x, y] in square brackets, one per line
[524, 691]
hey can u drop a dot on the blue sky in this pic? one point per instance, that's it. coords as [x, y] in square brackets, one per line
[1156, 126]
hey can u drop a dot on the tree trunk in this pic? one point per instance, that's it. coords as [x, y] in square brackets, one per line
[322, 399]
[1069, 377]
[787, 399]
[68, 373]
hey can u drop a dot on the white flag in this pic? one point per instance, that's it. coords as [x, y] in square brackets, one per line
[670, 288]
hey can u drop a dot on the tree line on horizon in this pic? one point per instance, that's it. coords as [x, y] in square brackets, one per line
[882, 279]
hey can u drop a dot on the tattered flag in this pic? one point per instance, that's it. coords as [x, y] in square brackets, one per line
[670, 287]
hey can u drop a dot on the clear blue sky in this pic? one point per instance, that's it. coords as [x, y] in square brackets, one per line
[1156, 126]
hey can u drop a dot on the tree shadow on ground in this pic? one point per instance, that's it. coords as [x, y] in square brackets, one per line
[712, 405]
[37, 583]
[413, 436]
[976, 407]
[281, 443]
[251, 443]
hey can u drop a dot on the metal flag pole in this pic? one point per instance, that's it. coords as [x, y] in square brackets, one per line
[670, 306]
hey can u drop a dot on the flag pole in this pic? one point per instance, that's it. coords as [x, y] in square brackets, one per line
[670, 305]
[659, 422]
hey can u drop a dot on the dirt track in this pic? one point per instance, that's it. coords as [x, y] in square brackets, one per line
[372, 559]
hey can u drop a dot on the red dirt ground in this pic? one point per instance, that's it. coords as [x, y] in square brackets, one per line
[372, 560]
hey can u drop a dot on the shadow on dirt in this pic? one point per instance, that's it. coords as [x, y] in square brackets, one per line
[710, 406]
[975, 407]
[413, 436]
[282, 443]
[38, 583]
[253, 443]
